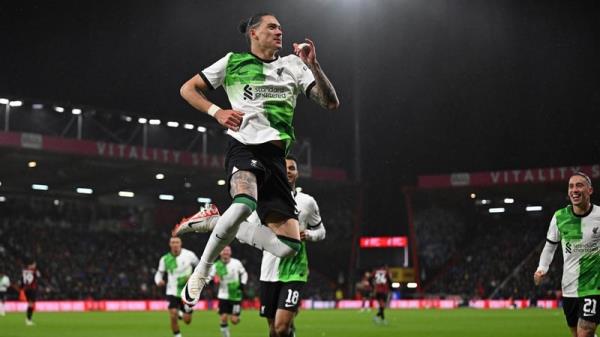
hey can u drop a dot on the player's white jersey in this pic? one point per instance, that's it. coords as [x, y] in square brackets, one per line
[230, 275]
[295, 268]
[178, 269]
[580, 240]
[4, 284]
[265, 91]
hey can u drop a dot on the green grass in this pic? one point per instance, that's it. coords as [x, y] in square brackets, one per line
[310, 323]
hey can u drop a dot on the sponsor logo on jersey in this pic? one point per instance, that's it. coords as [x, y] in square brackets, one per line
[568, 248]
[247, 92]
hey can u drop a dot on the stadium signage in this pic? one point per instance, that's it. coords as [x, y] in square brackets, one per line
[46, 143]
[383, 242]
[508, 177]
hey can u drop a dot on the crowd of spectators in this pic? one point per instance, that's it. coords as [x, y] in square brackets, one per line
[467, 251]
[91, 251]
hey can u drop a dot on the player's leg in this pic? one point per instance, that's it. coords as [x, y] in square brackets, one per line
[244, 193]
[287, 306]
[269, 296]
[283, 323]
[586, 328]
[589, 316]
[250, 232]
[570, 309]
[174, 320]
[187, 312]
[225, 309]
[277, 207]
[236, 311]
[2, 299]
[31, 297]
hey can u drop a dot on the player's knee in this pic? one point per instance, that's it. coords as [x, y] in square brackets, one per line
[235, 320]
[187, 320]
[282, 329]
[288, 247]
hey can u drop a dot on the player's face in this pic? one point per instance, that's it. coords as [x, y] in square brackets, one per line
[292, 171]
[175, 244]
[268, 34]
[579, 191]
[226, 254]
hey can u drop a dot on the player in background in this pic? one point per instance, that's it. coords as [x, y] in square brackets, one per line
[365, 288]
[231, 277]
[30, 276]
[283, 279]
[178, 264]
[382, 282]
[262, 88]
[577, 228]
[4, 285]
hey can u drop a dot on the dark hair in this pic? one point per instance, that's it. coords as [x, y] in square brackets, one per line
[251, 22]
[585, 176]
[291, 157]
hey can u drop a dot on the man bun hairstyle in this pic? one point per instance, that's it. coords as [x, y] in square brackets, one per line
[251, 22]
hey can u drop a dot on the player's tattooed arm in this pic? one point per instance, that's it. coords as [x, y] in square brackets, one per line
[588, 327]
[244, 182]
[323, 92]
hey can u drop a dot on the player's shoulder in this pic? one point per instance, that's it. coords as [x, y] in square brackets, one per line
[187, 253]
[595, 211]
[565, 211]
[305, 196]
[235, 261]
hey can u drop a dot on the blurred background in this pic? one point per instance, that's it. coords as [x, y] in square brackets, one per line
[458, 126]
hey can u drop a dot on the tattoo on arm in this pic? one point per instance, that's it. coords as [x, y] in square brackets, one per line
[587, 326]
[323, 93]
[244, 182]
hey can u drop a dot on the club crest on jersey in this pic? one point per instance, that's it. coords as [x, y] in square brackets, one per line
[595, 233]
[279, 73]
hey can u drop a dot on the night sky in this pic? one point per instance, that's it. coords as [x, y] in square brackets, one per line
[439, 86]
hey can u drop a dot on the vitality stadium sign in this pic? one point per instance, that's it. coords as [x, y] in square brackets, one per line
[508, 177]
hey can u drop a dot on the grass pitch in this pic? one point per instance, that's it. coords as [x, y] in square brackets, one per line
[310, 323]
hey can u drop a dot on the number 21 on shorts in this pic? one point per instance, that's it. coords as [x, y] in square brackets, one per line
[589, 307]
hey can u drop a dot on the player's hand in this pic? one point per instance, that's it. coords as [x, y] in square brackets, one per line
[230, 119]
[303, 235]
[308, 54]
[538, 276]
[161, 284]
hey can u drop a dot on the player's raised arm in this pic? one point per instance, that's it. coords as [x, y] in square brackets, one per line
[193, 92]
[323, 92]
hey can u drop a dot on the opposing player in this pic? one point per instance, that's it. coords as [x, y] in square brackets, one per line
[576, 227]
[30, 276]
[4, 285]
[283, 279]
[262, 88]
[382, 282]
[365, 288]
[178, 264]
[231, 276]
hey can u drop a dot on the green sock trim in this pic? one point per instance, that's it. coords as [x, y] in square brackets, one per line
[246, 200]
[294, 244]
